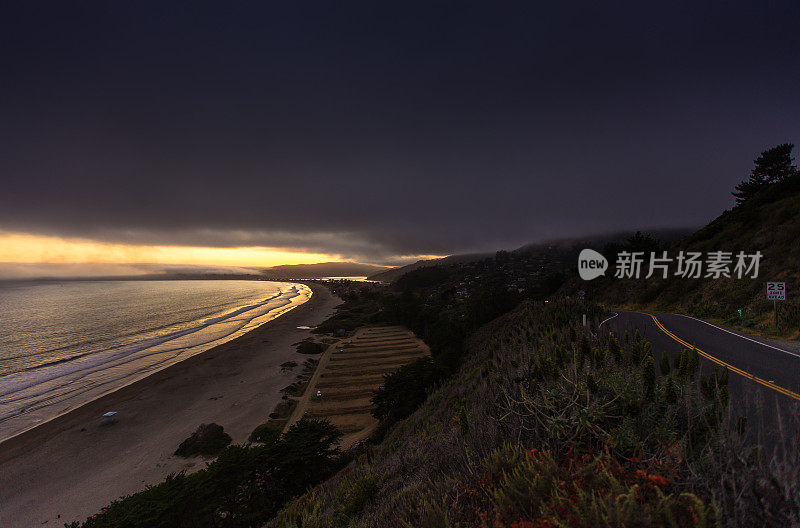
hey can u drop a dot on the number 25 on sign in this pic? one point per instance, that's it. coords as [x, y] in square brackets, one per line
[776, 291]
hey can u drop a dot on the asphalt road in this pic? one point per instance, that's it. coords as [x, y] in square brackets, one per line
[764, 376]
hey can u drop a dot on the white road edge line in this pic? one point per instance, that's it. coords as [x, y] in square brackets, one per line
[607, 319]
[739, 335]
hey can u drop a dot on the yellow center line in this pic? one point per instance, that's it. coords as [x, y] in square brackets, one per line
[739, 371]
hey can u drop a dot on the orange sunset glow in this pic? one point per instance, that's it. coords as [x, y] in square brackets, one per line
[27, 248]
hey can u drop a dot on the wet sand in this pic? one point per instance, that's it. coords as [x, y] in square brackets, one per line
[70, 467]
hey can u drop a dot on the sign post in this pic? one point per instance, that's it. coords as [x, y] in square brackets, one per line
[582, 297]
[776, 291]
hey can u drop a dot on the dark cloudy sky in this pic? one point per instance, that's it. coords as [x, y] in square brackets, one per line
[379, 129]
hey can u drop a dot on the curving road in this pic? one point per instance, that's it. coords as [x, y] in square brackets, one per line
[764, 375]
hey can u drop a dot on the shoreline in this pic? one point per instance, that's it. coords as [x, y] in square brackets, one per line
[136, 379]
[69, 467]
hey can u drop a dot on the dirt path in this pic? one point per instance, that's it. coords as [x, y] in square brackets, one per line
[349, 371]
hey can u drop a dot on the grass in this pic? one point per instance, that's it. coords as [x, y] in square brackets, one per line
[547, 424]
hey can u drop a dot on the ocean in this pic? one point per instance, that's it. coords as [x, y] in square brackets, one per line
[65, 343]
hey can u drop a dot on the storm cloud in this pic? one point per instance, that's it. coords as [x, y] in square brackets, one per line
[373, 130]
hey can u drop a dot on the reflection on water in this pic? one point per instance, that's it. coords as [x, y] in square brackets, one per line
[65, 343]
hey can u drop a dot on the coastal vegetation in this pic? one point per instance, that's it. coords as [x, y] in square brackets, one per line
[282, 412]
[548, 423]
[310, 347]
[244, 486]
[265, 433]
[288, 365]
[298, 386]
[772, 166]
[207, 440]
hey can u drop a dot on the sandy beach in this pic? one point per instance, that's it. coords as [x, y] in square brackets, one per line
[69, 468]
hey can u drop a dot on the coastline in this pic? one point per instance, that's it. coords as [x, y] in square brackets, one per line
[17, 425]
[69, 467]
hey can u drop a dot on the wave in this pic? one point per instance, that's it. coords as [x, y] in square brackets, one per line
[90, 342]
[37, 388]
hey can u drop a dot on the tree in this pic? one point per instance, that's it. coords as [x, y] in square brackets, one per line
[404, 390]
[772, 166]
[245, 486]
[637, 243]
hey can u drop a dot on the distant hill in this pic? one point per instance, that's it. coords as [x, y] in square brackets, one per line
[558, 250]
[392, 274]
[666, 235]
[563, 253]
[769, 222]
[322, 269]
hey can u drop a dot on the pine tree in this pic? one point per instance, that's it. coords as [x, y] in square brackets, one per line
[772, 166]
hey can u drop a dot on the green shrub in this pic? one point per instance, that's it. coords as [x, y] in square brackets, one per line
[310, 347]
[404, 390]
[351, 499]
[208, 439]
[265, 433]
[585, 348]
[648, 375]
[614, 348]
[537, 488]
[670, 392]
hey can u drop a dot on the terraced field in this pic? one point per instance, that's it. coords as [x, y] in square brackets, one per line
[349, 371]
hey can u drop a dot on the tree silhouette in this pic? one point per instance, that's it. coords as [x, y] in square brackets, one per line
[772, 166]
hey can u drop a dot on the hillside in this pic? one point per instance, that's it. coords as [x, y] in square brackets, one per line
[391, 275]
[575, 244]
[557, 253]
[769, 222]
[547, 426]
[322, 269]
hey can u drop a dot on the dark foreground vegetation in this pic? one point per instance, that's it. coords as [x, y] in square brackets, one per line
[310, 347]
[245, 486]
[208, 439]
[547, 424]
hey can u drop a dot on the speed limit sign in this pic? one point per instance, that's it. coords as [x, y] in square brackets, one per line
[776, 291]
